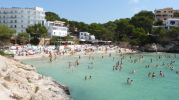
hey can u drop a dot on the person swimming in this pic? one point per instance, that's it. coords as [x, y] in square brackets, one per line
[129, 81]
[133, 71]
[177, 72]
[90, 77]
[153, 75]
[161, 74]
[149, 74]
[85, 77]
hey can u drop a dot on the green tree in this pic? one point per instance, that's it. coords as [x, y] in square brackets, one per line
[22, 38]
[159, 34]
[68, 38]
[143, 19]
[158, 23]
[173, 33]
[36, 32]
[51, 16]
[100, 31]
[124, 29]
[139, 36]
[5, 34]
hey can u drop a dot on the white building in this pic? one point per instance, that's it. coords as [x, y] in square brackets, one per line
[85, 36]
[57, 28]
[21, 18]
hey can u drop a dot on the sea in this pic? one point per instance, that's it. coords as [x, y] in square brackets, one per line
[104, 76]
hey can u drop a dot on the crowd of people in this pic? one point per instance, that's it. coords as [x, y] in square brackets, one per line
[91, 50]
[154, 63]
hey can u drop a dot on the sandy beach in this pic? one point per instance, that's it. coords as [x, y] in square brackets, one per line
[82, 51]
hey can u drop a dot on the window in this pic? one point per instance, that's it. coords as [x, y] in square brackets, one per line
[11, 21]
[21, 26]
[15, 26]
[11, 26]
[21, 21]
[15, 21]
[3, 21]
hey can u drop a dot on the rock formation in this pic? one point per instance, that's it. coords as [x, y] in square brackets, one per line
[21, 82]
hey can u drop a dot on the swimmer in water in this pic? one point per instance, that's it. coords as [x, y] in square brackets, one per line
[133, 71]
[161, 74]
[153, 75]
[149, 74]
[90, 77]
[128, 80]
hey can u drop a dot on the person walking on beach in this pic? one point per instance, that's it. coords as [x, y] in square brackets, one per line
[50, 56]
[55, 56]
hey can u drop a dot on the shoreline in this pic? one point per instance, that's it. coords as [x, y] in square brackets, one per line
[36, 56]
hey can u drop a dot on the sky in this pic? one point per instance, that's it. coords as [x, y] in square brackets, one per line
[93, 11]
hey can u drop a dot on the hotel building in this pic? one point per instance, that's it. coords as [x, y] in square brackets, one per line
[56, 28]
[20, 18]
[164, 14]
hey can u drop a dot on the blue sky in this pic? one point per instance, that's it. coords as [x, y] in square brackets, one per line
[90, 11]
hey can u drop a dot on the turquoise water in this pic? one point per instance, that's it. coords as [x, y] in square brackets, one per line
[109, 84]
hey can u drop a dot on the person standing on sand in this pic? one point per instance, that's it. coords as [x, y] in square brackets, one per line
[50, 56]
[55, 56]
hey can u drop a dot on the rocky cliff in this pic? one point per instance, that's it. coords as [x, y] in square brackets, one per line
[21, 82]
[168, 47]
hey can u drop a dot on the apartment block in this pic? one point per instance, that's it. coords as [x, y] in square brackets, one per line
[165, 13]
[20, 18]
